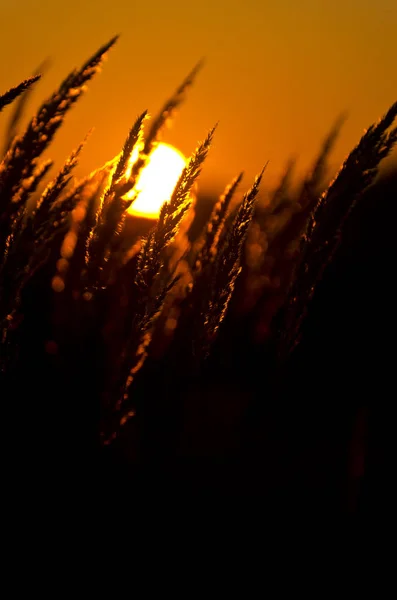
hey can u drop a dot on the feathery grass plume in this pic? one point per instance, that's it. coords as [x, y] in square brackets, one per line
[220, 286]
[45, 226]
[18, 163]
[131, 143]
[151, 256]
[270, 217]
[16, 91]
[54, 189]
[314, 181]
[298, 208]
[281, 226]
[360, 168]
[31, 234]
[208, 244]
[192, 303]
[29, 185]
[228, 264]
[73, 218]
[41, 235]
[158, 124]
[169, 108]
[87, 205]
[19, 109]
[324, 229]
[18, 227]
[231, 252]
[54, 213]
[111, 213]
[16, 254]
[87, 194]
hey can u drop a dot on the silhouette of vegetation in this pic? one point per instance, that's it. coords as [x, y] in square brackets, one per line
[123, 328]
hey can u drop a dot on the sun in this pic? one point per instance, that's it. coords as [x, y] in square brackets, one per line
[157, 181]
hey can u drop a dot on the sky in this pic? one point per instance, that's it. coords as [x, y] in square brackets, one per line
[277, 74]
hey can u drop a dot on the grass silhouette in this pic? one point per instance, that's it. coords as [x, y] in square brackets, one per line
[87, 320]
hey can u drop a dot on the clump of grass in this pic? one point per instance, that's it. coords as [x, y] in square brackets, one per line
[111, 215]
[273, 243]
[323, 232]
[98, 309]
[228, 266]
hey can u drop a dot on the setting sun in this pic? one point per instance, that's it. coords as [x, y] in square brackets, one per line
[157, 181]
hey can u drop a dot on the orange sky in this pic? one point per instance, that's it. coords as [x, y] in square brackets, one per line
[276, 76]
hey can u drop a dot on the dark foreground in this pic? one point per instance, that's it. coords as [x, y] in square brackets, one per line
[314, 438]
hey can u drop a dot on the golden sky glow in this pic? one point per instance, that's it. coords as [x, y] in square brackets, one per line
[276, 76]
